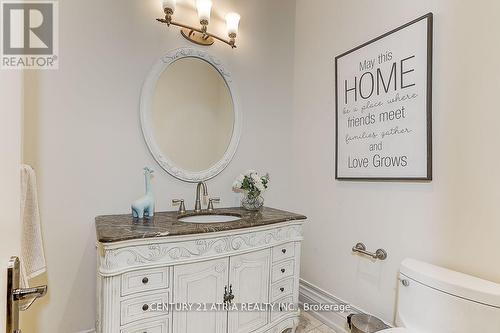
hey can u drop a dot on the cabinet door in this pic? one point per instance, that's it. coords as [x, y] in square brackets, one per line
[196, 283]
[249, 277]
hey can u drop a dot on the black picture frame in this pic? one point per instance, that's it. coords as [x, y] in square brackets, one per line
[428, 177]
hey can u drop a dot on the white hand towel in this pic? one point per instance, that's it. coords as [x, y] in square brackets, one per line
[32, 254]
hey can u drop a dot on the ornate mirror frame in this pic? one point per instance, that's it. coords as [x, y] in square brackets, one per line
[147, 94]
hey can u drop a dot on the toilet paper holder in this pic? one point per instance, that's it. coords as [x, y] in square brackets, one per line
[380, 254]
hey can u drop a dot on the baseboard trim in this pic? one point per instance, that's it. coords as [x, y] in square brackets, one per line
[309, 293]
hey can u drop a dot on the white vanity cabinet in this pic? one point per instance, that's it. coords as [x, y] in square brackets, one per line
[249, 281]
[245, 276]
[199, 284]
[258, 266]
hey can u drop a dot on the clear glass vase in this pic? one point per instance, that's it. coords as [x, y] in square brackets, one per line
[252, 202]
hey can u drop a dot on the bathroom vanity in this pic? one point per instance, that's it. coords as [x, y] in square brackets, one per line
[149, 271]
[208, 270]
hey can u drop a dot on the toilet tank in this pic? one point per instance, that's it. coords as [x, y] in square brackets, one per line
[433, 299]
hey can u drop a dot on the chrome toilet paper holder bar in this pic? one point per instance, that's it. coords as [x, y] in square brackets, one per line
[380, 254]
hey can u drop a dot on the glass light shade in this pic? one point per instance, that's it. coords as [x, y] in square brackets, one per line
[169, 4]
[204, 8]
[232, 23]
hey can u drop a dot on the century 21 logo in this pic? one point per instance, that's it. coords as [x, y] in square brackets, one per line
[27, 28]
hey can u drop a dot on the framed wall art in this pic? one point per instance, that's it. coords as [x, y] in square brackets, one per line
[383, 106]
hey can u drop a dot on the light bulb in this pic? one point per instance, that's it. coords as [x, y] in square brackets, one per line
[204, 8]
[232, 23]
[169, 4]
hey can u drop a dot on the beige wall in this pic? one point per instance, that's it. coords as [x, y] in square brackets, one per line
[11, 96]
[84, 136]
[452, 221]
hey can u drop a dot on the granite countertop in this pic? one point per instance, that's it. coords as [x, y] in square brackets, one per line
[115, 228]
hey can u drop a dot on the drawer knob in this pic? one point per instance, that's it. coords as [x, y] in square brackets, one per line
[282, 270]
[145, 280]
[145, 307]
[282, 289]
[283, 250]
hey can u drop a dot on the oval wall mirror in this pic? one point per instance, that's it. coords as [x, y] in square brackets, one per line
[189, 115]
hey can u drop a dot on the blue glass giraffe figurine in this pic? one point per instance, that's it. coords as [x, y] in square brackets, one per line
[145, 206]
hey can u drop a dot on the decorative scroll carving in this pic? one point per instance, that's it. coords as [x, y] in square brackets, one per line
[117, 260]
[192, 52]
[220, 268]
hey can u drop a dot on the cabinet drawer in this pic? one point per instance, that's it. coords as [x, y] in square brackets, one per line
[139, 308]
[144, 280]
[160, 326]
[283, 251]
[282, 270]
[281, 289]
[282, 307]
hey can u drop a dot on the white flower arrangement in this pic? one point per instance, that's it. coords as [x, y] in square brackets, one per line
[251, 183]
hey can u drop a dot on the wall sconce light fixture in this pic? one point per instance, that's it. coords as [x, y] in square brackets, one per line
[201, 35]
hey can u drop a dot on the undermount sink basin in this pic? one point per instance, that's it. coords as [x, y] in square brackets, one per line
[209, 218]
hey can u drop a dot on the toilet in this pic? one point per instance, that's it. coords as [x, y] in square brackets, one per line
[433, 299]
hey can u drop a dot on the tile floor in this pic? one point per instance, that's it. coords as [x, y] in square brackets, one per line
[309, 324]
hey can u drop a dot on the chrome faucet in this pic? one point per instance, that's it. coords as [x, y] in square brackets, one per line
[197, 205]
